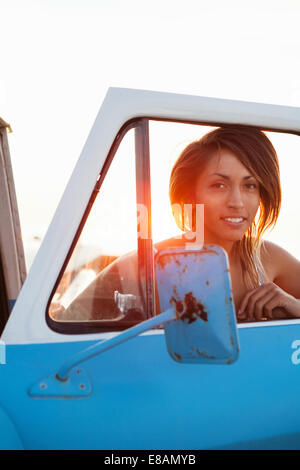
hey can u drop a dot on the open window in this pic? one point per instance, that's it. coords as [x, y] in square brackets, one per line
[107, 281]
[108, 278]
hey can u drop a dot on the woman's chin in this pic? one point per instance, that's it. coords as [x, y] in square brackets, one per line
[227, 238]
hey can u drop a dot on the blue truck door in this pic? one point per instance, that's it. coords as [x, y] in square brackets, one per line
[140, 398]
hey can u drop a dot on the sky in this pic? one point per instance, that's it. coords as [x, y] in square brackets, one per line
[59, 57]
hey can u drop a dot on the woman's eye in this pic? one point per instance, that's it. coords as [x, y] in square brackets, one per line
[251, 185]
[218, 185]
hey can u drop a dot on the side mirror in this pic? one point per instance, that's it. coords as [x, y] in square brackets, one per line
[197, 284]
[198, 315]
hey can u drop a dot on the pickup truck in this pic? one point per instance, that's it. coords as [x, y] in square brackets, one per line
[109, 376]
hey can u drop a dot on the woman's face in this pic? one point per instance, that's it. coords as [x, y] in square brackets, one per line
[231, 198]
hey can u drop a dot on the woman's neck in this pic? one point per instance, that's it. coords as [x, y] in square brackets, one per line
[227, 245]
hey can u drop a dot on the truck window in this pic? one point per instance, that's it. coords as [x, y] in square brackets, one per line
[102, 285]
[168, 139]
[95, 286]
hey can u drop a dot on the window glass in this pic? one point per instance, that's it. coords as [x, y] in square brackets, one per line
[101, 281]
[94, 287]
[168, 139]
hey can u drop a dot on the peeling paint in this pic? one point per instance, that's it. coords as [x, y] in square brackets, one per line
[189, 309]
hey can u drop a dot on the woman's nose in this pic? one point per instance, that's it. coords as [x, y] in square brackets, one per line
[235, 198]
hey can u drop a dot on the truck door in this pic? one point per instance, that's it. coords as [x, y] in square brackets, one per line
[94, 277]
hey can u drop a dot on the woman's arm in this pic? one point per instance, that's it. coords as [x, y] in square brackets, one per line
[281, 294]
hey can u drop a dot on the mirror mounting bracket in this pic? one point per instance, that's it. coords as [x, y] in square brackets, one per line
[71, 381]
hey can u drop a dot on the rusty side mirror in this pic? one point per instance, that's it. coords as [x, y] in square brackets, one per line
[197, 284]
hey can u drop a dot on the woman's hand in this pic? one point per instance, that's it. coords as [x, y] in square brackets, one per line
[268, 301]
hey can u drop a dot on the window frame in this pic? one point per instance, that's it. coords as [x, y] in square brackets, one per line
[88, 327]
[145, 252]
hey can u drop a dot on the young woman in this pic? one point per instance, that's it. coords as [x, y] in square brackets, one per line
[234, 172]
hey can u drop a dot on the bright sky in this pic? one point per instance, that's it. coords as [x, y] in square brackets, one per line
[58, 58]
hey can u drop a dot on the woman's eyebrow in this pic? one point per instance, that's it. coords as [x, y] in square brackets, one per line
[228, 177]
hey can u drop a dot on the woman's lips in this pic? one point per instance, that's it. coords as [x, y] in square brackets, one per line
[234, 221]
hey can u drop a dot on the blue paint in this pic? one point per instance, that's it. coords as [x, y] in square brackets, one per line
[142, 399]
[9, 437]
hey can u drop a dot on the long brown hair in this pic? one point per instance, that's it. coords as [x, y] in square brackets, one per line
[255, 151]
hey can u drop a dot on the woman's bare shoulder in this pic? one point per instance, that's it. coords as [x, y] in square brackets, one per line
[281, 266]
[273, 253]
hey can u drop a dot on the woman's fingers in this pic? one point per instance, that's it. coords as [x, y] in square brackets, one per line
[247, 306]
[268, 301]
[260, 309]
[275, 306]
[260, 302]
[256, 303]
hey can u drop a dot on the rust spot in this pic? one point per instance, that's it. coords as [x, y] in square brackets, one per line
[207, 283]
[202, 312]
[230, 299]
[164, 260]
[178, 305]
[178, 356]
[189, 309]
[175, 292]
[204, 354]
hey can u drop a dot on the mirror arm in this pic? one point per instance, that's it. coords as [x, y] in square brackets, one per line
[102, 346]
